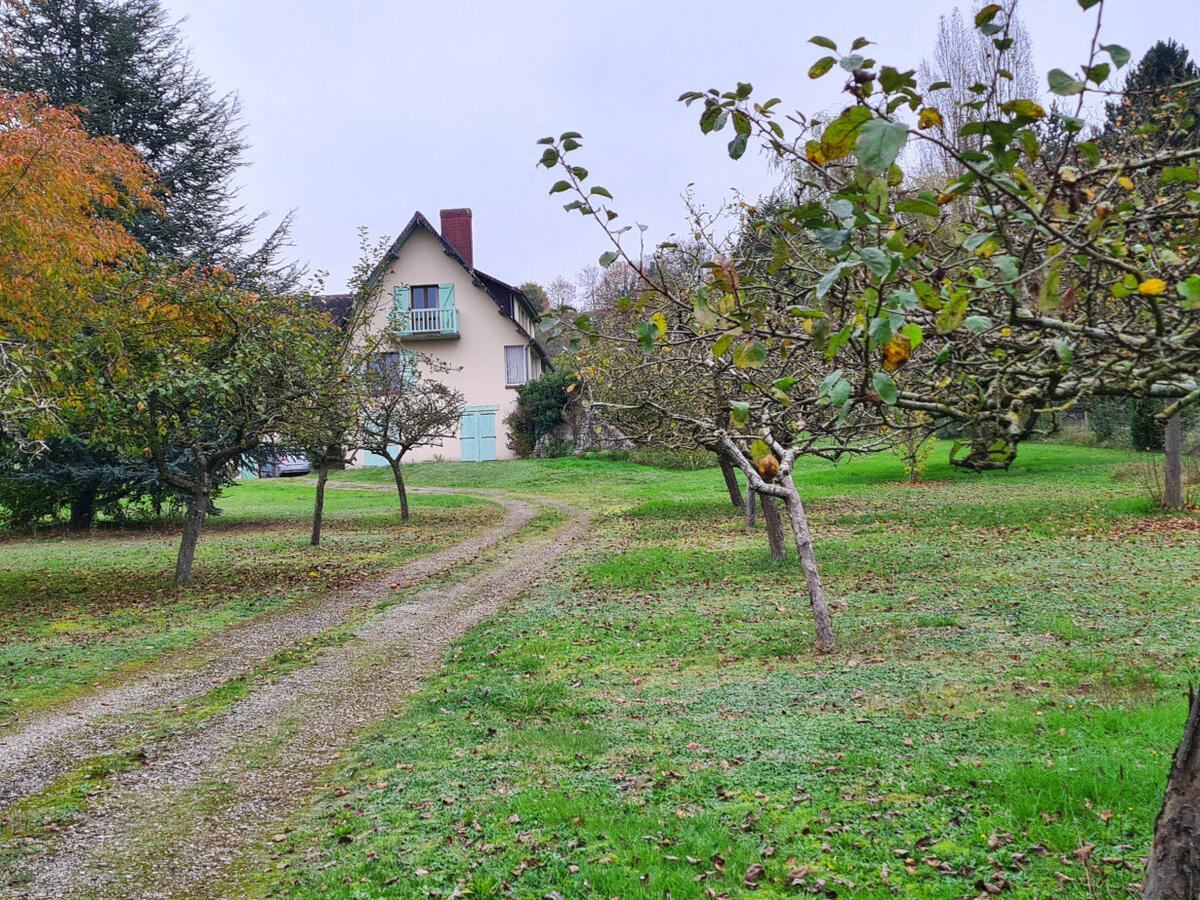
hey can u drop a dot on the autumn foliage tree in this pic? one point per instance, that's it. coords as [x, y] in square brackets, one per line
[64, 198]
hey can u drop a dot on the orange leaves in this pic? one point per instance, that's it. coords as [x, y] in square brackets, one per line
[63, 195]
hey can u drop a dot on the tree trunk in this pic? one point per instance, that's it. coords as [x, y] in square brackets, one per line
[197, 510]
[319, 504]
[751, 506]
[731, 482]
[400, 490]
[1173, 475]
[83, 511]
[808, 560]
[774, 525]
[1173, 866]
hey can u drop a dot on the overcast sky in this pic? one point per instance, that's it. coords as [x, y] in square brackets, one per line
[361, 111]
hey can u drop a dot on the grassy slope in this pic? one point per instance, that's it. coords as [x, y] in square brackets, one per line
[75, 609]
[1005, 695]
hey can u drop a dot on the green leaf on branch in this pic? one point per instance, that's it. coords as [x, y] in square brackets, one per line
[835, 342]
[645, 336]
[1189, 290]
[833, 240]
[607, 259]
[750, 355]
[953, 313]
[722, 345]
[877, 261]
[601, 192]
[885, 387]
[978, 324]
[989, 12]
[921, 207]
[828, 279]
[703, 314]
[915, 335]
[739, 413]
[879, 143]
[841, 208]
[822, 41]
[1119, 55]
[1026, 108]
[1066, 353]
[840, 392]
[892, 79]
[1063, 84]
[737, 146]
[838, 139]
[560, 186]
[880, 331]
[821, 66]
[1179, 173]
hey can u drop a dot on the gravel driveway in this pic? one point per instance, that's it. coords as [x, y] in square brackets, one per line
[205, 799]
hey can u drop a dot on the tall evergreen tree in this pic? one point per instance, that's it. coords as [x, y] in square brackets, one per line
[124, 67]
[124, 64]
[1153, 110]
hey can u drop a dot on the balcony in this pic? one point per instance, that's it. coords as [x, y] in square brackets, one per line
[427, 324]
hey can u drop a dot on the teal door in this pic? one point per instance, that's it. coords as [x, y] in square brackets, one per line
[374, 459]
[477, 433]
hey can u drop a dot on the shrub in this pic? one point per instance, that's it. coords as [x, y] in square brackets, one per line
[541, 405]
[1145, 431]
[1110, 420]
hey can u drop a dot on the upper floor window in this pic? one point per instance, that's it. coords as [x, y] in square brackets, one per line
[425, 296]
[516, 368]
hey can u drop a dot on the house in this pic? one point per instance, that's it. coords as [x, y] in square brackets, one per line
[427, 283]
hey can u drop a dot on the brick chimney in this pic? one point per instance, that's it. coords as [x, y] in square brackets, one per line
[456, 229]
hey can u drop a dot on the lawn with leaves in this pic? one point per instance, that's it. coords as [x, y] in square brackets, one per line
[997, 719]
[76, 609]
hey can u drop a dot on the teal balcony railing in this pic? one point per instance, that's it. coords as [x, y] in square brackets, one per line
[428, 322]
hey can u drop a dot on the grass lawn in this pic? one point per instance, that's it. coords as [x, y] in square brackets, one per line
[77, 608]
[652, 722]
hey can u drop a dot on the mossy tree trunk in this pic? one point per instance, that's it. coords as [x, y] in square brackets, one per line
[1173, 865]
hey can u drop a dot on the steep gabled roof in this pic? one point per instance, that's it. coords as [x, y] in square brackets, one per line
[505, 296]
[338, 306]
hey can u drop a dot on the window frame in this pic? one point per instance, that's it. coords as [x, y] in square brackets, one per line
[524, 350]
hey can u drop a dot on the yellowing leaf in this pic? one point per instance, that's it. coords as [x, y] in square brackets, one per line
[929, 118]
[1152, 287]
[896, 352]
[660, 322]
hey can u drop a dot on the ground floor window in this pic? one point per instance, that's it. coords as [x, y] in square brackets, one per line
[516, 366]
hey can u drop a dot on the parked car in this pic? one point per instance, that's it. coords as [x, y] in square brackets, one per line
[285, 464]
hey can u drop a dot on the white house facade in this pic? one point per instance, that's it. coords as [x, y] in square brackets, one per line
[479, 325]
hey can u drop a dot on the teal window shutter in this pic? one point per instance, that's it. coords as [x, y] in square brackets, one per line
[402, 304]
[411, 367]
[448, 315]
